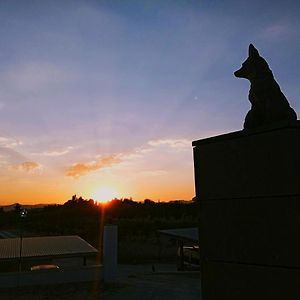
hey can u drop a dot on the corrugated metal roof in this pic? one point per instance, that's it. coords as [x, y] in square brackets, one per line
[190, 234]
[45, 246]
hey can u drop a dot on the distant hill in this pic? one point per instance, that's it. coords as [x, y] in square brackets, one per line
[26, 206]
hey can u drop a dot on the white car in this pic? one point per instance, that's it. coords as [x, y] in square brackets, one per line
[44, 267]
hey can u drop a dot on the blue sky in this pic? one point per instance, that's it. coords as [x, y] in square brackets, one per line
[111, 93]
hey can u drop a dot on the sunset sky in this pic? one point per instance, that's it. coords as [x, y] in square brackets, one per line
[105, 97]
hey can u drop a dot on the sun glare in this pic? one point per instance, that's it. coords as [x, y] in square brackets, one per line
[104, 194]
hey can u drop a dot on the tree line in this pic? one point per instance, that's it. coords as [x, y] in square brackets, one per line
[85, 217]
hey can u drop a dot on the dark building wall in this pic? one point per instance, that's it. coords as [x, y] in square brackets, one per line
[248, 186]
[247, 165]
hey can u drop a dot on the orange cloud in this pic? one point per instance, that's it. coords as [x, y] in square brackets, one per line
[27, 166]
[80, 169]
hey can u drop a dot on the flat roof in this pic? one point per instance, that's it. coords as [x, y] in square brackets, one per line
[245, 133]
[188, 234]
[45, 246]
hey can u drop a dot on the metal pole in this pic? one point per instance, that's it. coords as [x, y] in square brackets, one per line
[23, 214]
[21, 244]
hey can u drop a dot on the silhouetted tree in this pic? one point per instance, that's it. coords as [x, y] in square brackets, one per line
[149, 201]
[17, 208]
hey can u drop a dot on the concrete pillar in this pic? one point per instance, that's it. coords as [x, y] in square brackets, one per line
[110, 253]
[180, 265]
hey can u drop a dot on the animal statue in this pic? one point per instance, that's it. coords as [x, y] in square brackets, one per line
[268, 103]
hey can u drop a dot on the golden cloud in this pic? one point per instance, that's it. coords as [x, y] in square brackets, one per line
[27, 166]
[79, 169]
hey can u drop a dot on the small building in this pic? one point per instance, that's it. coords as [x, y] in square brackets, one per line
[188, 244]
[30, 251]
[73, 259]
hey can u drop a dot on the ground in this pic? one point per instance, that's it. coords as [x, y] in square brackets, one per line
[134, 282]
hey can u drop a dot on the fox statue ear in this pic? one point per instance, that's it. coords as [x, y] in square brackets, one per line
[253, 51]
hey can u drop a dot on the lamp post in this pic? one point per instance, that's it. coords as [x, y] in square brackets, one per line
[23, 214]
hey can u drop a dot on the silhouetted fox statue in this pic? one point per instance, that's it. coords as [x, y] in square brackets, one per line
[268, 103]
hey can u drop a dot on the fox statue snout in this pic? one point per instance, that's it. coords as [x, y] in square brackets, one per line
[239, 73]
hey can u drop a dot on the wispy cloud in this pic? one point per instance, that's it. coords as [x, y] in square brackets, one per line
[173, 143]
[79, 169]
[157, 158]
[11, 157]
[54, 153]
[161, 168]
[27, 166]
[139, 159]
[279, 31]
[9, 142]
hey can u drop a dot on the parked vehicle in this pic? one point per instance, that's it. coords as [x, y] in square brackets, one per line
[44, 267]
[191, 254]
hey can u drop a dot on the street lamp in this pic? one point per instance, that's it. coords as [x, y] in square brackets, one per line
[23, 214]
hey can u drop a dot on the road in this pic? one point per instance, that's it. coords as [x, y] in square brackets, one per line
[135, 282]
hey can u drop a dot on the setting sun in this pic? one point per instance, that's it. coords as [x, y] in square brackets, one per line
[104, 194]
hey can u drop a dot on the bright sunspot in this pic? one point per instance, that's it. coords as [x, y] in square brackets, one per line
[104, 194]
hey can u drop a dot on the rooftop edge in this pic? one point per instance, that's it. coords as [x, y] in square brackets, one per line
[245, 133]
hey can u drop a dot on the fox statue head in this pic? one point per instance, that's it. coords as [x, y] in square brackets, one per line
[268, 103]
[254, 67]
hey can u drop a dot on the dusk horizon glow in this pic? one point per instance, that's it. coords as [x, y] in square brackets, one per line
[106, 97]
